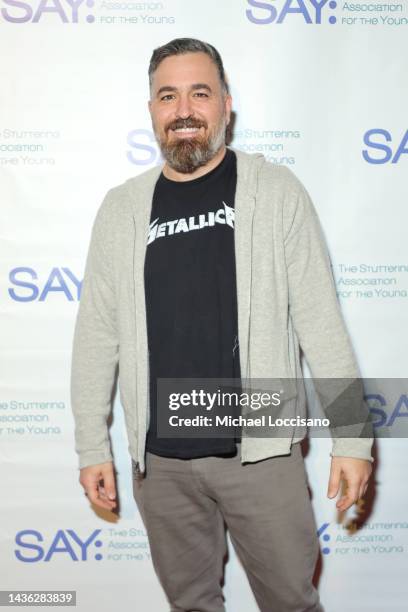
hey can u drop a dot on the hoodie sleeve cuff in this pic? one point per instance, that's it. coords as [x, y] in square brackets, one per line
[94, 458]
[359, 448]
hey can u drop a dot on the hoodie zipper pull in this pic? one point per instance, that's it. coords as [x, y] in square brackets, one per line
[136, 468]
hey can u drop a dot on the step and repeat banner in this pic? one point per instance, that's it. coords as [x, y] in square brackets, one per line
[319, 86]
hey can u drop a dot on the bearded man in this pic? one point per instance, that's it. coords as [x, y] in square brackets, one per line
[210, 265]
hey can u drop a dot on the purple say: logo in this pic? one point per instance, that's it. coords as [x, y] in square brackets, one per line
[65, 11]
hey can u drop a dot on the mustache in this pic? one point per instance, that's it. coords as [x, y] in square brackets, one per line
[186, 123]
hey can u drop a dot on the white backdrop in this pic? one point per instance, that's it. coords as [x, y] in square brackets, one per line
[317, 85]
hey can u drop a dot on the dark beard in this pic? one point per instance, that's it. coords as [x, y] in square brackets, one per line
[187, 154]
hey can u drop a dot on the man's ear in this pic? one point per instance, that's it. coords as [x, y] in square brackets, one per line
[228, 106]
[149, 104]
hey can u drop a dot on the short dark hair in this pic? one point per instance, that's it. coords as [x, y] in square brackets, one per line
[179, 46]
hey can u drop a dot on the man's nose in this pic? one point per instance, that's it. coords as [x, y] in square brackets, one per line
[184, 107]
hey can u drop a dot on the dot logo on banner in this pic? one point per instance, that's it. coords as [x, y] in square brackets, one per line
[60, 281]
[385, 414]
[64, 11]
[32, 546]
[381, 153]
[141, 153]
[311, 11]
[324, 536]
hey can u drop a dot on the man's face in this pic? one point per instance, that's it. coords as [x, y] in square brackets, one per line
[189, 110]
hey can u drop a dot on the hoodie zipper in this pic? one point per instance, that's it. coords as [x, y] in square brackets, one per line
[136, 468]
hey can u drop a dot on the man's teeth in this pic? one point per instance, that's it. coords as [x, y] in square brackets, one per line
[187, 129]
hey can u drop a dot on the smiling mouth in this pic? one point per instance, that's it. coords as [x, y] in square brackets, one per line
[186, 130]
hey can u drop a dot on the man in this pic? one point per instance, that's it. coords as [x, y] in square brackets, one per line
[211, 265]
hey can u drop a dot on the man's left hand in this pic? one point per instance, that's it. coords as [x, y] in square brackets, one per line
[356, 474]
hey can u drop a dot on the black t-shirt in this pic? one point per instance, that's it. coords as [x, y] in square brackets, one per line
[190, 288]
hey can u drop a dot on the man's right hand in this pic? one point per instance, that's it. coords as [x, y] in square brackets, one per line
[100, 494]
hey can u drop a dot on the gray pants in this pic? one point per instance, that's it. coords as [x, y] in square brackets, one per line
[267, 509]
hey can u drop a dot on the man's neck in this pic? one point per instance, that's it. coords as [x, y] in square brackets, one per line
[173, 175]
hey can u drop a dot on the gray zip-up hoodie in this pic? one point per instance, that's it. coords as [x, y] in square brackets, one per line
[286, 298]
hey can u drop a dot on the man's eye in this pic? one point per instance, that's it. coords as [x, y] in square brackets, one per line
[201, 93]
[166, 96]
